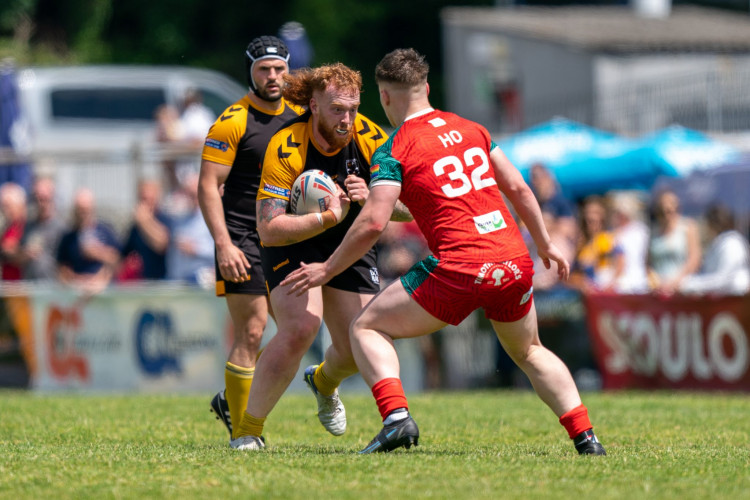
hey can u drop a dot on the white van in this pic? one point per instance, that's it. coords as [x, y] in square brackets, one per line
[110, 107]
[93, 126]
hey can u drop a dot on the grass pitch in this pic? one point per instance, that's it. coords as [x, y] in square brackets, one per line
[489, 444]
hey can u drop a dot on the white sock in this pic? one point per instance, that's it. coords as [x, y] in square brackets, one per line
[395, 416]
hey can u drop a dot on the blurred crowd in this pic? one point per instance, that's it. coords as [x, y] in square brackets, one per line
[625, 242]
[633, 242]
[165, 239]
[628, 242]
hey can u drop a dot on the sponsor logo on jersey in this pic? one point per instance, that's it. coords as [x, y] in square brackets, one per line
[498, 273]
[374, 276]
[220, 145]
[526, 296]
[514, 269]
[268, 188]
[493, 272]
[490, 222]
[374, 172]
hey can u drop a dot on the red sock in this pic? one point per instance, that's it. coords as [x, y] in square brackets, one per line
[389, 395]
[576, 421]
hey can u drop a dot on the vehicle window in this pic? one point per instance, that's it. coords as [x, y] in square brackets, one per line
[109, 103]
[216, 102]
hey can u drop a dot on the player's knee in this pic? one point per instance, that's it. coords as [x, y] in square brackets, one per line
[355, 331]
[360, 324]
[252, 331]
[299, 334]
[249, 339]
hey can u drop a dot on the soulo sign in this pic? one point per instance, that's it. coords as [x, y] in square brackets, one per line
[691, 343]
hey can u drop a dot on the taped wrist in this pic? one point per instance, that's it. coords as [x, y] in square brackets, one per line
[328, 219]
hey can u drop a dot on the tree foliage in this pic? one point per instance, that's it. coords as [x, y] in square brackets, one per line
[214, 34]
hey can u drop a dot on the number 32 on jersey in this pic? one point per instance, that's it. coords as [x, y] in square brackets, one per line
[481, 177]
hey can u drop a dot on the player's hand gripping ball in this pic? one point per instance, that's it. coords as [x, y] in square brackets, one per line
[311, 192]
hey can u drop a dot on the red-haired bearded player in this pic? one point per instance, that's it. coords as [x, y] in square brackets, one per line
[334, 138]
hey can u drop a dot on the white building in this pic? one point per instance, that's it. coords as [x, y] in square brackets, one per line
[622, 69]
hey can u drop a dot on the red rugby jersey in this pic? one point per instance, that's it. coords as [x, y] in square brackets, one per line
[448, 183]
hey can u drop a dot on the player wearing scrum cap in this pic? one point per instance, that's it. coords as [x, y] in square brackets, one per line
[232, 157]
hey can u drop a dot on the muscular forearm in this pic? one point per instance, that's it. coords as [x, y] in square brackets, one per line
[360, 238]
[278, 228]
[511, 184]
[367, 228]
[528, 210]
[213, 213]
[401, 213]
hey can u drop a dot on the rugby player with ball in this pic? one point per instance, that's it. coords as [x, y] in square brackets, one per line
[333, 138]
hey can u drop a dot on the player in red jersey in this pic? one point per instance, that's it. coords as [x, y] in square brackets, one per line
[447, 171]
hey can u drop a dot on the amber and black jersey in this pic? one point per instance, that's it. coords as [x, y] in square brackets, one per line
[293, 150]
[238, 139]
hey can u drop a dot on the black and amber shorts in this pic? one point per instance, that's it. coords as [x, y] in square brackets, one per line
[279, 262]
[249, 243]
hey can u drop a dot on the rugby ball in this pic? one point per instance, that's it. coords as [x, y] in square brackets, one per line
[311, 192]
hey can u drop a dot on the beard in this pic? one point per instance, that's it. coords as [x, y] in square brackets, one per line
[269, 96]
[333, 139]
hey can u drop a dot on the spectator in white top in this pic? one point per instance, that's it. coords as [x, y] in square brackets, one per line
[631, 237]
[196, 117]
[726, 265]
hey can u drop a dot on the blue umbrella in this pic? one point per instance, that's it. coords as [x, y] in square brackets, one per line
[12, 129]
[584, 160]
[726, 184]
[682, 151]
[588, 161]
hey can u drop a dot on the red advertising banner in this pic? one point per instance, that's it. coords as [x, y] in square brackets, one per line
[643, 341]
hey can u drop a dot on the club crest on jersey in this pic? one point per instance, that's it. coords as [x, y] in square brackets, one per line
[374, 276]
[498, 274]
[488, 223]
